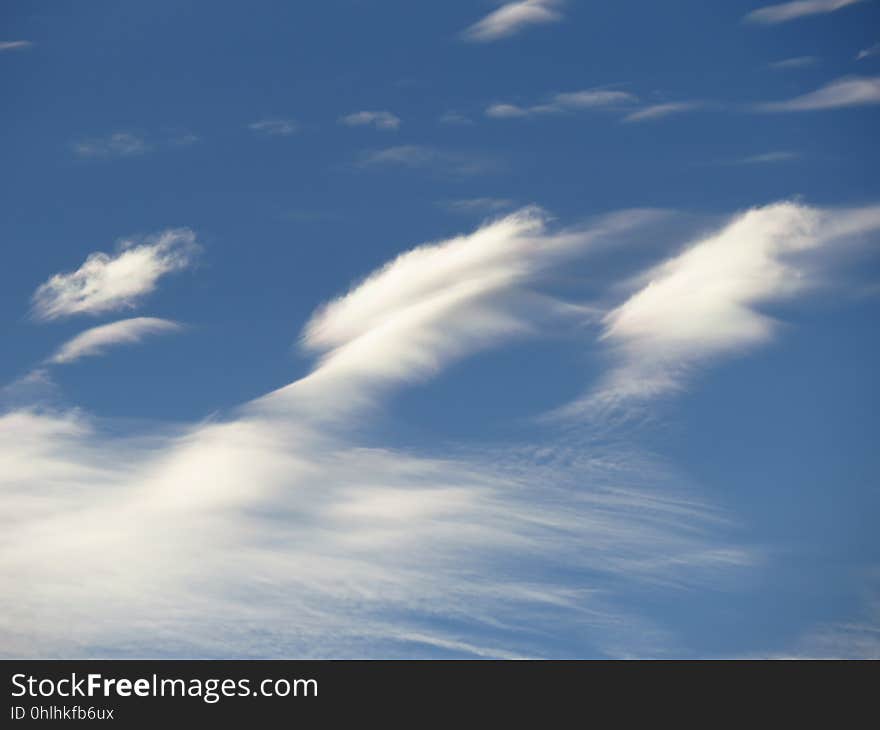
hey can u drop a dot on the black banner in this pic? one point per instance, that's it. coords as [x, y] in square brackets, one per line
[149, 693]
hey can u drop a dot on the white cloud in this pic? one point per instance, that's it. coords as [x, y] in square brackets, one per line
[277, 533]
[275, 127]
[422, 156]
[784, 12]
[768, 157]
[592, 98]
[455, 118]
[378, 119]
[14, 45]
[118, 144]
[564, 102]
[97, 340]
[707, 300]
[868, 52]
[477, 205]
[787, 64]
[505, 111]
[435, 304]
[845, 92]
[107, 282]
[659, 111]
[514, 17]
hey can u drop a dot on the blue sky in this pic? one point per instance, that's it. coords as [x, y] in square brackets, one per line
[460, 329]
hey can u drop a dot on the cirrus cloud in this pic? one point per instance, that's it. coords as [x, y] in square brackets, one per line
[512, 18]
[97, 340]
[785, 12]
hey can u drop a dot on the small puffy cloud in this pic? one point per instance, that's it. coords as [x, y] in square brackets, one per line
[108, 282]
[274, 127]
[565, 102]
[845, 92]
[14, 45]
[659, 111]
[118, 144]
[96, 340]
[788, 64]
[868, 52]
[378, 119]
[784, 12]
[512, 18]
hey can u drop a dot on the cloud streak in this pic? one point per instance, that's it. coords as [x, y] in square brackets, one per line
[847, 92]
[106, 282]
[796, 62]
[442, 161]
[275, 127]
[706, 301]
[565, 102]
[785, 12]
[661, 111]
[868, 52]
[14, 45]
[97, 340]
[513, 18]
[118, 144]
[378, 119]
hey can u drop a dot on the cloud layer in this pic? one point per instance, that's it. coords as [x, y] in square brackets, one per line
[280, 531]
[286, 528]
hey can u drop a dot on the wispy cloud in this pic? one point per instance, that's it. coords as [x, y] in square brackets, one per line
[298, 538]
[768, 157]
[275, 127]
[845, 92]
[660, 111]
[108, 282]
[455, 118]
[514, 17]
[14, 45]
[707, 300]
[787, 64]
[477, 205]
[784, 12]
[130, 144]
[118, 144]
[565, 102]
[378, 119]
[422, 156]
[868, 52]
[97, 340]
